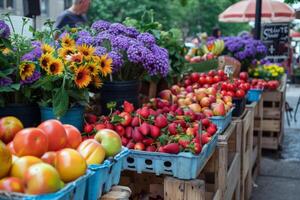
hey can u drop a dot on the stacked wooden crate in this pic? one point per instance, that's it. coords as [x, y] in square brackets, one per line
[273, 117]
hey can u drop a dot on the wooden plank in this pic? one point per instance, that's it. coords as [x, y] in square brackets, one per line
[272, 113]
[246, 162]
[233, 177]
[254, 156]
[271, 125]
[270, 143]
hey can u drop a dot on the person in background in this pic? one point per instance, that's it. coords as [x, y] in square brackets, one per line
[216, 32]
[73, 16]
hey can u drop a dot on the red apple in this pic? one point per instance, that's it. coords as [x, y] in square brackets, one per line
[205, 102]
[219, 109]
[165, 94]
[175, 89]
[139, 146]
[195, 107]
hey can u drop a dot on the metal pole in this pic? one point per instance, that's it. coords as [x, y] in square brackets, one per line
[258, 19]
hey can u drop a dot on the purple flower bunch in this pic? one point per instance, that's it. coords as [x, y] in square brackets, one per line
[4, 30]
[35, 76]
[127, 47]
[35, 53]
[245, 47]
[5, 81]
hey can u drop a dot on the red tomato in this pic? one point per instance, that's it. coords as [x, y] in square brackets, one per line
[73, 136]
[12, 184]
[224, 86]
[230, 93]
[56, 134]
[244, 76]
[221, 73]
[230, 87]
[30, 142]
[217, 79]
[209, 80]
[202, 74]
[246, 86]
[212, 73]
[49, 157]
[202, 80]
[223, 92]
[127, 118]
[240, 93]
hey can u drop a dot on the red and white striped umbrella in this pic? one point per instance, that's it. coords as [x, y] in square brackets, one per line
[244, 11]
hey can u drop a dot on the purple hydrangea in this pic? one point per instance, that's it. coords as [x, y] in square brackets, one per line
[4, 30]
[131, 32]
[88, 40]
[117, 61]
[100, 25]
[33, 55]
[117, 28]
[35, 76]
[101, 37]
[83, 33]
[120, 42]
[146, 38]
[136, 53]
[5, 81]
[99, 51]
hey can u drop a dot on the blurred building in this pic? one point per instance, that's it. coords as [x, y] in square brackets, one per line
[49, 8]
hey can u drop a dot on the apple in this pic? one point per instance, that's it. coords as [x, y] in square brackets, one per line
[212, 98]
[195, 107]
[139, 146]
[110, 141]
[227, 99]
[5, 160]
[205, 102]
[165, 94]
[200, 95]
[219, 109]
[49, 157]
[9, 126]
[12, 184]
[211, 91]
[207, 112]
[175, 89]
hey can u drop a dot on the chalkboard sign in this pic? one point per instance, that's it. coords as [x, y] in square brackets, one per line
[276, 37]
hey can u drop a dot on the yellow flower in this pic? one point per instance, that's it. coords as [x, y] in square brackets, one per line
[275, 74]
[87, 51]
[46, 48]
[6, 51]
[76, 58]
[105, 65]
[73, 67]
[97, 82]
[45, 60]
[92, 67]
[82, 77]
[65, 51]
[73, 30]
[256, 74]
[67, 41]
[55, 67]
[26, 70]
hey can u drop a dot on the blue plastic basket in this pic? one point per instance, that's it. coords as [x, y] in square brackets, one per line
[222, 121]
[72, 191]
[184, 165]
[105, 176]
[212, 144]
[254, 95]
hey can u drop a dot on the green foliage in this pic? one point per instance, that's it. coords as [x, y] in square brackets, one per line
[191, 16]
[291, 1]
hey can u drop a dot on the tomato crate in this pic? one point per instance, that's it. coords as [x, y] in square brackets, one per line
[222, 121]
[105, 175]
[72, 191]
[184, 165]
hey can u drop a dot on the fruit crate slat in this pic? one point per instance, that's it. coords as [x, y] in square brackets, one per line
[246, 123]
[229, 146]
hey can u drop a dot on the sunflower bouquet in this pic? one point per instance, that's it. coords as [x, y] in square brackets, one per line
[67, 71]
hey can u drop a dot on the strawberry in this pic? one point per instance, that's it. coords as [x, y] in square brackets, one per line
[183, 142]
[148, 141]
[152, 112]
[135, 122]
[161, 149]
[120, 130]
[154, 131]
[172, 128]
[205, 138]
[179, 111]
[127, 118]
[161, 121]
[130, 145]
[151, 148]
[100, 126]
[136, 135]
[128, 107]
[211, 130]
[91, 118]
[173, 107]
[205, 122]
[124, 141]
[110, 126]
[172, 148]
[144, 128]
[166, 109]
[128, 131]
[88, 128]
[197, 148]
[144, 112]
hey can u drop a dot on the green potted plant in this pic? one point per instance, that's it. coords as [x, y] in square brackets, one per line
[17, 74]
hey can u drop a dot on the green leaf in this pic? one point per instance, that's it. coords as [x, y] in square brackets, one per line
[15, 86]
[6, 72]
[60, 102]
[6, 89]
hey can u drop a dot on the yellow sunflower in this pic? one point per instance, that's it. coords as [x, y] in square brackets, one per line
[97, 82]
[26, 70]
[67, 41]
[105, 65]
[6, 51]
[65, 51]
[86, 51]
[82, 77]
[93, 68]
[55, 67]
[46, 48]
[77, 58]
[73, 67]
[45, 59]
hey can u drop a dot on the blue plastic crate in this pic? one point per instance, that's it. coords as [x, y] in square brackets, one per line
[114, 173]
[72, 191]
[222, 121]
[184, 165]
[105, 176]
[213, 143]
[254, 95]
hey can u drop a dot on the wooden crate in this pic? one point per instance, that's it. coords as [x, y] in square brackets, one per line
[148, 185]
[257, 108]
[273, 117]
[245, 123]
[229, 146]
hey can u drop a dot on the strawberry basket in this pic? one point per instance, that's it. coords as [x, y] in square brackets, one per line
[184, 165]
[222, 121]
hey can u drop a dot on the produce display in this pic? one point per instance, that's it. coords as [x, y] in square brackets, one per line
[157, 126]
[269, 71]
[263, 84]
[42, 160]
[205, 52]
